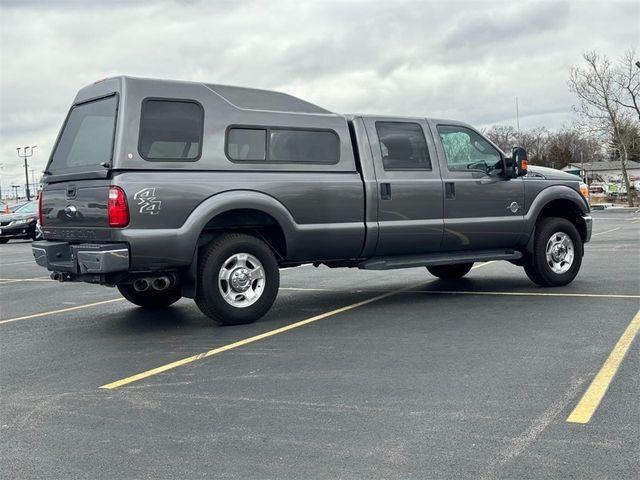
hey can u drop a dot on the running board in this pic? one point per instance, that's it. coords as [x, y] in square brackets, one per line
[433, 259]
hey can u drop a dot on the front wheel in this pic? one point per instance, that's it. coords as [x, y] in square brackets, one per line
[150, 298]
[557, 253]
[450, 272]
[238, 279]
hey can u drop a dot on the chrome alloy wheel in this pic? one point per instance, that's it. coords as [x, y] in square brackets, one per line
[241, 280]
[560, 252]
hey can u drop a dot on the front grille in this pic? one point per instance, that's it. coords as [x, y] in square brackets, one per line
[4, 224]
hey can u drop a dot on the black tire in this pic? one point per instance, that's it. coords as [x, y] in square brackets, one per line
[3, 240]
[538, 268]
[209, 296]
[150, 298]
[450, 272]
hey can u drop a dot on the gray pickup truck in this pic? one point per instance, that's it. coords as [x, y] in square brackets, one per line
[169, 189]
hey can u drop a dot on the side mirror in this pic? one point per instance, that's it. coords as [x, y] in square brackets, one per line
[520, 160]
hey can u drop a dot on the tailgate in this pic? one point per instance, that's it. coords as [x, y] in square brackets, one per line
[76, 210]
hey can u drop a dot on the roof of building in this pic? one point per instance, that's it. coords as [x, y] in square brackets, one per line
[599, 166]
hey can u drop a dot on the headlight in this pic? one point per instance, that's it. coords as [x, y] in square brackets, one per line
[584, 190]
[22, 221]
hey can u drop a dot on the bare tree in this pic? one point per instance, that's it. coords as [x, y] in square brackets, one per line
[628, 79]
[601, 96]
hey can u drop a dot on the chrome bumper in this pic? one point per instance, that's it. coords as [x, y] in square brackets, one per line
[81, 258]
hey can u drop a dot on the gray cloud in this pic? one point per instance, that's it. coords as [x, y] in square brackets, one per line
[459, 59]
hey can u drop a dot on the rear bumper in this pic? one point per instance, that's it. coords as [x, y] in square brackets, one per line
[82, 258]
[588, 222]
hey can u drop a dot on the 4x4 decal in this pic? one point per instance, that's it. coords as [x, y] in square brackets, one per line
[147, 202]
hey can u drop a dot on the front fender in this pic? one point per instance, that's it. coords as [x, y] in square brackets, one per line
[545, 197]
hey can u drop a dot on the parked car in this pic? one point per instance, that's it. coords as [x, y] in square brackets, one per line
[19, 224]
[17, 206]
[177, 189]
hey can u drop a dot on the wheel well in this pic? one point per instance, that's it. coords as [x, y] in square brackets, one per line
[565, 209]
[250, 221]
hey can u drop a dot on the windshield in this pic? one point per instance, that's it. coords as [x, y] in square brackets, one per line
[87, 137]
[30, 207]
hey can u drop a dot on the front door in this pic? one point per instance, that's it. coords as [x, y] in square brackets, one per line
[482, 208]
[410, 212]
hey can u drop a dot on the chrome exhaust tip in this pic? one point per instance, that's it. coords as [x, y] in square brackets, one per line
[161, 283]
[141, 285]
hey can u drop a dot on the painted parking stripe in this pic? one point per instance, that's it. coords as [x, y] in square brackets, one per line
[606, 231]
[588, 404]
[262, 336]
[466, 292]
[62, 310]
[33, 262]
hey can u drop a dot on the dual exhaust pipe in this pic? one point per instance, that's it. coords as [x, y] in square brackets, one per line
[158, 284]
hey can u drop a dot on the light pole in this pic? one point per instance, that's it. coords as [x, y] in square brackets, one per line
[26, 155]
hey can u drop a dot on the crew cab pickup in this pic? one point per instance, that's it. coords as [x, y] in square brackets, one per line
[169, 189]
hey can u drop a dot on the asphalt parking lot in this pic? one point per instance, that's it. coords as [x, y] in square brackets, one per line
[375, 375]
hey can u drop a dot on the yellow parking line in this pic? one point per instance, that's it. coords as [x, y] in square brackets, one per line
[463, 292]
[62, 310]
[262, 336]
[591, 399]
[527, 294]
[246, 341]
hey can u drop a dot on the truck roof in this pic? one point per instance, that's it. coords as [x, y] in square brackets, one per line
[242, 98]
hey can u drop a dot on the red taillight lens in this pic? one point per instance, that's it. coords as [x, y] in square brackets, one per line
[40, 216]
[117, 208]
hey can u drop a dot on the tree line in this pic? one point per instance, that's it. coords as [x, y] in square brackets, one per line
[607, 125]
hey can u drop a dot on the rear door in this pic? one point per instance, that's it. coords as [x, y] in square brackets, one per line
[410, 215]
[482, 208]
[75, 194]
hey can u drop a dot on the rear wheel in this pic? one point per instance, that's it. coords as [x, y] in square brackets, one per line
[450, 272]
[238, 279]
[557, 253]
[150, 298]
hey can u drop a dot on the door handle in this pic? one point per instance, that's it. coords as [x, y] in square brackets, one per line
[385, 191]
[450, 190]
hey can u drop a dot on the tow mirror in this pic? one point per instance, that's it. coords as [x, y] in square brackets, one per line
[520, 160]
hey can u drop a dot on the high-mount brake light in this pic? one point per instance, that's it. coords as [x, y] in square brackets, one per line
[117, 208]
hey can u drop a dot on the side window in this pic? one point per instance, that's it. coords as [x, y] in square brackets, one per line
[403, 146]
[246, 144]
[467, 150]
[171, 130]
[303, 146]
[281, 145]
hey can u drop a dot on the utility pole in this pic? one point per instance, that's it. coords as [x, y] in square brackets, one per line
[33, 181]
[26, 155]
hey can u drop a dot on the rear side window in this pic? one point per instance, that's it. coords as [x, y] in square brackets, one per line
[403, 146]
[282, 145]
[87, 136]
[303, 146]
[171, 130]
[247, 144]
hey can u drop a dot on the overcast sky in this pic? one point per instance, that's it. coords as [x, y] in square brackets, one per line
[466, 60]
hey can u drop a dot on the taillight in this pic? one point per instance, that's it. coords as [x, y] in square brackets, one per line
[117, 208]
[40, 217]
